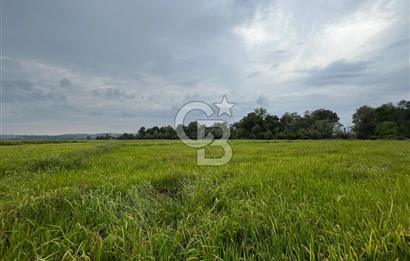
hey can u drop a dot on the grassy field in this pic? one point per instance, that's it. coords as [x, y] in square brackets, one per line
[148, 200]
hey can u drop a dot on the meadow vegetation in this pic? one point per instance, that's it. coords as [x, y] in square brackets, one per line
[147, 199]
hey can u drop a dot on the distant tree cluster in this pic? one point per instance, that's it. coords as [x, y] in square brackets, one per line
[318, 124]
[155, 132]
[106, 137]
[385, 122]
[169, 132]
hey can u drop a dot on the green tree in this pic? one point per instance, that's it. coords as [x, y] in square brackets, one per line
[320, 124]
[387, 130]
[251, 125]
[364, 121]
[141, 133]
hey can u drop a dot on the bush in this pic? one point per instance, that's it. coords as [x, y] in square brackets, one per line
[387, 130]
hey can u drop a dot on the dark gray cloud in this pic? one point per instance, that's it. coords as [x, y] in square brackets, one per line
[25, 91]
[127, 114]
[111, 93]
[400, 43]
[96, 113]
[192, 83]
[254, 75]
[262, 100]
[65, 82]
[338, 72]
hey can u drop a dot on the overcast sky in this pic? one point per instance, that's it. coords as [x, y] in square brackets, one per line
[113, 66]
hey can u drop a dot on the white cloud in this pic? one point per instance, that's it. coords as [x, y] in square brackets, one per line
[347, 38]
[267, 28]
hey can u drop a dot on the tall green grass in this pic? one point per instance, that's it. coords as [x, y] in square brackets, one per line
[296, 200]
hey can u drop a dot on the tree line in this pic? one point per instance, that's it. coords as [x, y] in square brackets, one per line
[388, 121]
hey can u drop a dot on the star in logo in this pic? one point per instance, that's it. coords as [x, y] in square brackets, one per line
[224, 107]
